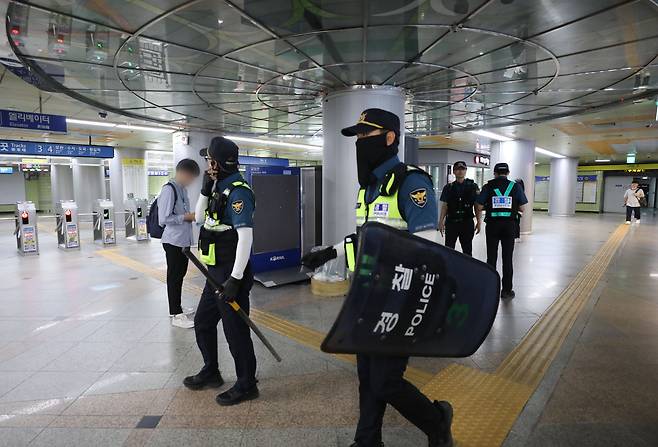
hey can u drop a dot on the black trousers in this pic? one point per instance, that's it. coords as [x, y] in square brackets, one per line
[464, 231]
[381, 383]
[236, 331]
[632, 210]
[176, 270]
[501, 232]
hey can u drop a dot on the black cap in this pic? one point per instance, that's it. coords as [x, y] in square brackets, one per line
[459, 165]
[371, 119]
[501, 168]
[222, 150]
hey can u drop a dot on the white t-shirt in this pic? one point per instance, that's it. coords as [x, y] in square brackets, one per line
[632, 197]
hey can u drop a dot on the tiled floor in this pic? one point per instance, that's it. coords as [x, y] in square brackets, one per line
[86, 349]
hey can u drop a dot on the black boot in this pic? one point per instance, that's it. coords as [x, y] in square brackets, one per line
[443, 437]
[507, 294]
[204, 380]
[235, 396]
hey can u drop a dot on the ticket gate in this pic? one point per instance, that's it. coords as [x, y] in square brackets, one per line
[68, 228]
[104, 228]
[27, 238]
[136, 214]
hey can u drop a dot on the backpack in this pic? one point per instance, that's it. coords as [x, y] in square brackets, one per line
[152, 223]
[642, 200]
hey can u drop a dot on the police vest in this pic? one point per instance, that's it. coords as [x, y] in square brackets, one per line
[218, 240]
[384, 209]
[460, 205]
[501, 205]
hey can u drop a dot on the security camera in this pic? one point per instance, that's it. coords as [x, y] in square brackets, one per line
[102, 114]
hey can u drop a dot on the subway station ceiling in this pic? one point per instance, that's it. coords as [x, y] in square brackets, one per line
[262, 67]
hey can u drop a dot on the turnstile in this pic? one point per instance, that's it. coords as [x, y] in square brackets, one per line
[104, 229]
[27, 238]
[68, 228]
[136, 214]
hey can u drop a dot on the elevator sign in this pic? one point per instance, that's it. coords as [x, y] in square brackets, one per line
[13, 147]
[32, 121]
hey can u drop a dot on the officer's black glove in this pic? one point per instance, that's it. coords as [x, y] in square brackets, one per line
[315, 259]
[231, 289]
[206, 189]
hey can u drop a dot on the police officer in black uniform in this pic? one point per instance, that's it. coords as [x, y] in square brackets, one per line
[503, 199]
[400, 196]
[225, 209]
[458, 210]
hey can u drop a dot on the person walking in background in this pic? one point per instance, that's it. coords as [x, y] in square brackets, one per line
[174, 214]
[632, 201]
[458, 210]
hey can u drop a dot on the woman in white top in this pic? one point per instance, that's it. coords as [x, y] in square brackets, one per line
[632, 199]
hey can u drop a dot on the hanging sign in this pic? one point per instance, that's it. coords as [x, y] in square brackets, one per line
[54, 149]
[32, 121]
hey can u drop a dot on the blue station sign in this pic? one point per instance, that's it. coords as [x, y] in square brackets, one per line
[13, 147]
[32, 121]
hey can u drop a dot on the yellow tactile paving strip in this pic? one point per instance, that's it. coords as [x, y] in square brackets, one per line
[486, 405]
[301, 334]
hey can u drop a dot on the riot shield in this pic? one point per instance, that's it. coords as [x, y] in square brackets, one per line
[413, 297]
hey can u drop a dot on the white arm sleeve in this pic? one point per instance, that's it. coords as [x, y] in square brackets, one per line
[242, 253]
[200, 210]
[340, 249]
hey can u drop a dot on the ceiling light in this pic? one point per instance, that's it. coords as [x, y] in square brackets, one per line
[272, 142]
[89, 123]
[220, 21]
[146, 128]
[493, 136]
[602, 160]
[630, 158]
[541, 150]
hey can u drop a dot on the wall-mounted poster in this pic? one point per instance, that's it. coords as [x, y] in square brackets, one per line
[541, 188]
[586, 189]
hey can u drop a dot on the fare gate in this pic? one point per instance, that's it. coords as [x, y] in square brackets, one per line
[27, 238]
[104, 228]
[136, 214]
[68, 225]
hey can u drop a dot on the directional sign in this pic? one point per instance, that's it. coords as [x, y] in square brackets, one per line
[32, 121]
[13, 147]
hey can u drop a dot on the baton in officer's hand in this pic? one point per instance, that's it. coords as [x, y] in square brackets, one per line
[234, 305]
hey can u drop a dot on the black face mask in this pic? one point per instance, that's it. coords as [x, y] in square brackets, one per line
[370, 153]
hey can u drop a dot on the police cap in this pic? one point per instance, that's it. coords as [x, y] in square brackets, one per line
[371, 119]
[501, 168]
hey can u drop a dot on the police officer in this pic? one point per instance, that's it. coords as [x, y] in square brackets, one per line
[400, 196]
[503, 199]
[226, 208]
[458, 210]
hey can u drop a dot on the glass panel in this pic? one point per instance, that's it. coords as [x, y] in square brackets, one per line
[332, 47]
[395, 43]
[275, 55]
[455, 48]
[113, 12]
[151, 54]
[210, 26]
[527, 18]
[437, 11]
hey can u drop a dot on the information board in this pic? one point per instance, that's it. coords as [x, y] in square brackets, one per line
[586, 189]
[541, 188]
[54, 149]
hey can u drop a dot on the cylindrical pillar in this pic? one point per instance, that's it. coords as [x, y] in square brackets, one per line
[339, 179]
[61, 183]
[562, 187]
[520, 156]
[127, 176]
[88, 183]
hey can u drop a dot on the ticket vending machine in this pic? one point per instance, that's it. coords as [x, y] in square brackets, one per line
[104, 228]
[136, 214]
[68, 228]
[27, 238]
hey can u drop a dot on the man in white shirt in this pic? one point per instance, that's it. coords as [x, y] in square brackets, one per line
[632, 199]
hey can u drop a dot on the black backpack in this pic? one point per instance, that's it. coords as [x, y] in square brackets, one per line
[152, 223]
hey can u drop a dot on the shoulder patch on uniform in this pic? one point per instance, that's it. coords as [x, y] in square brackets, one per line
[419, 197]
[237, 206]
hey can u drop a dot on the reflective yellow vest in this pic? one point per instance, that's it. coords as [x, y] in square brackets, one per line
[384, 209]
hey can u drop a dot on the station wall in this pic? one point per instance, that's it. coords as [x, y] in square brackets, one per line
[544, 170]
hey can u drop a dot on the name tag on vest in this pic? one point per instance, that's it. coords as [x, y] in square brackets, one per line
[498, 202]
[380, 210]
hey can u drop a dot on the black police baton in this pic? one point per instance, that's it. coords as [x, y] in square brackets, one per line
[235, 306]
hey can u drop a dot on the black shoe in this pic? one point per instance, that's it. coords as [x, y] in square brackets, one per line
[204, 380]
[444, 436]
[235, 396]
[507, 294]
